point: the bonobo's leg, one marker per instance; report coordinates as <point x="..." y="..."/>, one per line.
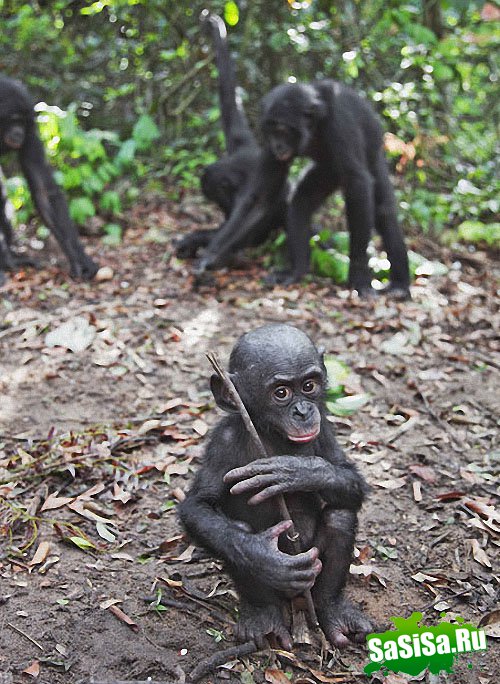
<point x="9" y="261"/>
<point x="310" y="193"/>
<point x="340" y="620"/>
<point x="51" y="203"/>
<point x="360" y="210"/>
<point x="261" y="614"/>
<point x="386" y="224"/>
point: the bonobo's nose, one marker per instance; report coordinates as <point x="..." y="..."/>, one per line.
<point x="302" y="410"/>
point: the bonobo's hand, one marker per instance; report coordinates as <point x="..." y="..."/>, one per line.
<point x="206" y="263"/>
<point x="83" y="267"/>
<point x="291" y="575"/>
<point x="278" y="475"/>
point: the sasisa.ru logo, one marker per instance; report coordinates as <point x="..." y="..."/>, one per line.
<point x="411" y="648"/>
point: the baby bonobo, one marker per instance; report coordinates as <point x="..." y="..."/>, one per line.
<point x="231" y="508"/>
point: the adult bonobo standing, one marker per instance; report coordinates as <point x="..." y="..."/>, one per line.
<point x="231" y="507"/>
<point x="338" y="130"/>
<point x="228" y="181"/>
<point x="18" y="133"/>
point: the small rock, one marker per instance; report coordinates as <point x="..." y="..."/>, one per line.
<point x="104" y="273"/>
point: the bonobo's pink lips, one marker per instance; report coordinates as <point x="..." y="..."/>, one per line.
<point x="304" y="438"/>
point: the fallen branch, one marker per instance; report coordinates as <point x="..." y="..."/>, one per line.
<point x="209" y="664"/>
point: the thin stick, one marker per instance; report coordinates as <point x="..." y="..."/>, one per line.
<point x="293" y="535"/>
<point x="26" y="636"/>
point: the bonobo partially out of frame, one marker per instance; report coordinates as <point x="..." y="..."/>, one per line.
<point x="339" y="131"/>
<point x="231" y="508"/>
<point x="229" y="180"/>
<point x="18" y="133"/>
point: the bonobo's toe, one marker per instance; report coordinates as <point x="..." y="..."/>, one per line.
<point x="344" y="623"/>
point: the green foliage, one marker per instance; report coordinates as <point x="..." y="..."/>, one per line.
<point x="140" y="68"/>
<point x="337" y="402"/>
<point x="477" y="232"/>
<point x="87" y="163"/>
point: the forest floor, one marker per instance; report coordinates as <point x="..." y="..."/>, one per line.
<point x="102" y="425"/>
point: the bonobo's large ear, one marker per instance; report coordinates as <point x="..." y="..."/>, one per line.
<point x="221" y="394"/>
<point x="318" y="109"/>
<point x="321" y="354"/>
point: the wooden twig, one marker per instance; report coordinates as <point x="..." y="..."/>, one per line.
<point x="293" y="535"/>
<point x="209" y="664"/>
<point x="26" y="636"/>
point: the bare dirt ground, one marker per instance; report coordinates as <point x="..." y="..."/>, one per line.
<point x="97" y="445"/>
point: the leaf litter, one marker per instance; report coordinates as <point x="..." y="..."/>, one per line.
<point x="100" y="435"/>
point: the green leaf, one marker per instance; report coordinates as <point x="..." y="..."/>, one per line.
<point x="81" y="209"/>
<point x="82" y="543"/>
<point x="231" y="13"/>
<point x="126" y="153"/>
<point x="145" y="132"/>
<point x="337" y="372"/>
<point x="113" y="235"/>
<point x="346" y="406"/>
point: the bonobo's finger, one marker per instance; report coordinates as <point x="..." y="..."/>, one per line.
<point x="259" y="467"/>
<point x="272" y="533"/>
<point x="266" y="493"/>
<point x="308" y="574"/>
<point x="304" y="559"/>
<point x="256" y="482"/>
<point x="284" y="638"/>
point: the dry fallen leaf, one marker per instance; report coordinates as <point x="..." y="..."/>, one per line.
<point x="53" y="501"/>
<point x="33" y="670"/>
<point x="200" y="427"/>
<point x="392" y="483"/>
<point x="275" y="676"/>
<point x="41" y="553"/>
<point x="491" y="624"/>
<point x="117" y="612"/>
<point x="478" y="553"/>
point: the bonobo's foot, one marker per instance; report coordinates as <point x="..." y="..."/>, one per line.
<point x="257" y="622"/>
<point x="342" y="623"/>
<point x="365" y="292"/>
<point x="12" y="261"/>
<point x="187" y="247"/>
<point x="398" y="291"/>
<point x="283" y="278"/>
<point x="84" y="268"/>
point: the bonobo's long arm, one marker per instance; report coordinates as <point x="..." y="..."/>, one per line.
<point x="327" y="472"/>
<point x="234" y="121"/>
<point x="263" y="189"/>
<point x="254" y="554"/>
<point x="51" y="204"/>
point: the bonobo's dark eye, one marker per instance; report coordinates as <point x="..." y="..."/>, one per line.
<point x="310" y="386"/>
<point x="282" y="394"/>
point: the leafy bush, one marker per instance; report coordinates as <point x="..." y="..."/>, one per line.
<point x="87" y="163"/>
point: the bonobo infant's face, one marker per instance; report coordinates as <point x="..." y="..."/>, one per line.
<point x="281" y="377"/>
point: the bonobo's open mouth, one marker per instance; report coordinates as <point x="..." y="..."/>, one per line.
<point x="284" y="156"/>
<point x="304" y="438"/>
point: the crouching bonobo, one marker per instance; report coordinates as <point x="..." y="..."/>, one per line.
<point x="231" y="508"/>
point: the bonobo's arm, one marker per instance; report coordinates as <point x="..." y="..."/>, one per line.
<point x="327" y="472"/>
<point x="234" y="121"/>
<point x="254" y="205"/>
<point x="51" y="203"/>
<point x="254" y="554"/>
